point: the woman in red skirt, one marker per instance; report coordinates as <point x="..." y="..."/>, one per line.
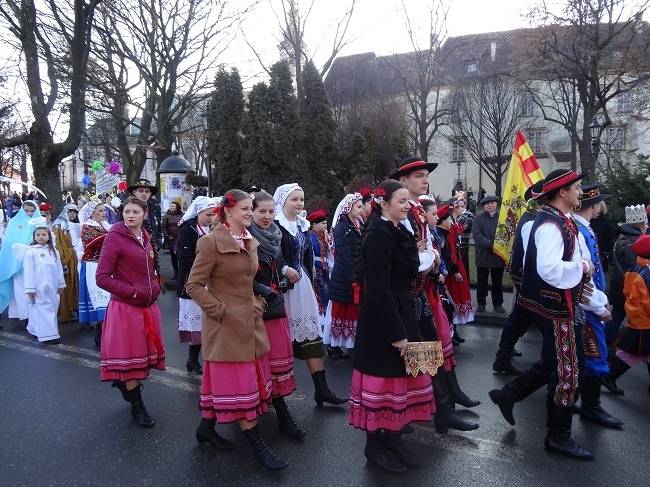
<point x="132" y="339"/>
<point x="269" y="283"/>
<point x="236" y="382"/>
<point x="383" y="398"/>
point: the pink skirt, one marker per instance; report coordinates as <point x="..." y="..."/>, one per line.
<point x="231" y="391"/>
<point x="132" y="342"/>
<point x="283" y="382"/>
<point x="344" y="321"/>
<point x="389" y="403"/>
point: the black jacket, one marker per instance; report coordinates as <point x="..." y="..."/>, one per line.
<point x="188" y="235"/>
<point x="483" y="230"/>
<point x="346" y="242"/>
<point x="390" y="265"/>
<point x="622" y="259"/>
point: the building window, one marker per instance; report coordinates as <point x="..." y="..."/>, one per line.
<point x="535" y="138"/>
<point x="616" y="136"/>
<point x="623" y="100"/>
<point x="526" y="104"/>
<point x="457" y="150"/>
<point x="471" y="67"/>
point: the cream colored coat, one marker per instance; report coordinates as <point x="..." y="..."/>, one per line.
<point x="232" y="325"/>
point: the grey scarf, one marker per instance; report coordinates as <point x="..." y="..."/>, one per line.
<point x="269" y="240"/>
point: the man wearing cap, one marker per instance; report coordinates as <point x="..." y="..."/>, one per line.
<point x="487" y="262"/>
<point x="554" y="282"/>
<point x="520" y="318"/>
<point x="414" y="174"/>
<point x="596" y="312"/>
<point x="144" y="190"/>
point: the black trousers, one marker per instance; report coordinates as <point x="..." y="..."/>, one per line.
<point x="482" y="274"/>
<point x="563" y="339"/>
<point x="517" y="325"/>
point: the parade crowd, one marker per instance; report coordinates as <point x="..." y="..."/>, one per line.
<point x="262" y="281"/>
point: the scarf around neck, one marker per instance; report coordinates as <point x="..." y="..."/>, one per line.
<point x="269" y="240"/>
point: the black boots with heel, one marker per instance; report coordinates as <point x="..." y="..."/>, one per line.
<point x="457" y="395"/>
<point x="261" y="451"/>
<point x="286" y="423"/>
<point x="322" y="391"/>
<point x="193" y="364"/>
<point x="206" y="433"/>
<point x="138" y="411"/>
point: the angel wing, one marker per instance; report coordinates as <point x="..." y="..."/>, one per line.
<point x="20" y="250"/>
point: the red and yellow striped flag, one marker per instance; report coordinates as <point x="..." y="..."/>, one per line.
<point x="523" y="173"/>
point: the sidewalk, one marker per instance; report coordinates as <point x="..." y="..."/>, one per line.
<point x="489" y="316"/>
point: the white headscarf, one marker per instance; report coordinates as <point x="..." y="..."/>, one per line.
<point x="280" y="196"/>
<point x="63" y="220"/>
<point x="87" y="210"/>
<point x="200" y="204"/>
<point x="343" y="208"/>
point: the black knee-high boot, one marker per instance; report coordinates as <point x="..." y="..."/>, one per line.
<point x="457" y="395"/>
<point x="446" y="417"/>
<point x="206" y="433"/>
<point x="616" y="369"/>
<point x="98" y="333"/>
<point x="261" y="451"/>
<point x="286" y="423"/>
<point x="591" y="409"/>
<point x="138" y="411"/>
<point x="193" y="364"/>
<point x="377" y="453"/>
<point x="558" y="439"/>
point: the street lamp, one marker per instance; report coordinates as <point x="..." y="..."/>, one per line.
<point x="204" y="116"/>
<point x="458" y="166"/>
<point x="594" y="130"/>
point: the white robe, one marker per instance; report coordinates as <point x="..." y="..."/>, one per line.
<point x="43" y="276"/>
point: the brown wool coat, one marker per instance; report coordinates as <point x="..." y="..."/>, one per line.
<point x="232" y="326"/>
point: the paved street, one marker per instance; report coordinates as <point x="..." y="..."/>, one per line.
<point x="60" y="426"/>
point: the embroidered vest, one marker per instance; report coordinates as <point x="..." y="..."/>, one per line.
<point x="516" y="266"/>
<point x="536" y="294"/>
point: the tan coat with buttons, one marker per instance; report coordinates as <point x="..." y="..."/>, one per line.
<point x="232" y="326"/>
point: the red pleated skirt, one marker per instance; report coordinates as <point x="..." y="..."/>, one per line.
<point x="389" y="403"/>
<point x="283" y="382"/>
<point x="132" y="342"/>
<point x="231" y="391"/>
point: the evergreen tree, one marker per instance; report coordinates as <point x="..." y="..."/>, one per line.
<point x="257" y="159"/>
<point x="321" y="156"/>
<point x="225" y="120"/>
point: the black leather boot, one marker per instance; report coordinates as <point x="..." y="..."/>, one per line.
<point x="337" y="352"/>
<point x="138" y="411"/>
<point x="457" y="395"/>
<point x="322" y="392"/>
<point x="394" y="444"/>
<point x="193" y="364"/>
<point x="456" y="336"/>
<point x="206" y="433"/>
<point x="446" y="417"/>
<point x="98" y="333"/>
<point x="377" y="453"/>
<point x="591" y="409"/>
<point x="503" y="363"/>
<point x="261" y="451"/>
<point x="616" y="369"/>
<point x="516" y="390"/>
<point x="121" y="386"/>
<point x="285" y="422"/>
<point x="558" y="439"/>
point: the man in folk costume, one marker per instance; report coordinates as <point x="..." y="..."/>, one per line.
<point x="414" y="174"/>
<point x="520" y="318"/>
<point x="555" y="280"/>
<point x="596" y="313"/>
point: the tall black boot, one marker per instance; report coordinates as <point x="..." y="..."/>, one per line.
<point x="456" y="336"/>
<point x="616" y="369"/>
<point x="322" y="392"/>
<point x="261" y="451"/>
<point x="98" y="333"/>
<point x="446" y="417"/>
<point x="285" y="422"/>
<point x="457" y="395"/>
<point x="138" y="411"/>
<point x="558" y="439"/>
<point x="516" y="390"/>
<point x="503" y="363"/>
<point x="377" y="453"/>
<point x="121" y="386"/>
<point x="193" y="364"/>
<point x="206" y="432"/>
<point x="591" y="409"/>
<point x="394" y="444"/>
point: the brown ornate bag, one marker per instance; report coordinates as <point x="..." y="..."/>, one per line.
<point x="423" y="357"/>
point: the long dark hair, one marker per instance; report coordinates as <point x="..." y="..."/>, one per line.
<point x="50" y="242"/>
<point x="388" y="186"/>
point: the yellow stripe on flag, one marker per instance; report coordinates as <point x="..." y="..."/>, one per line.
<point x="524" y="171"/>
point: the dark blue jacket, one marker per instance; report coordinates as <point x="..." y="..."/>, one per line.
<point x="346" y="243"/>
